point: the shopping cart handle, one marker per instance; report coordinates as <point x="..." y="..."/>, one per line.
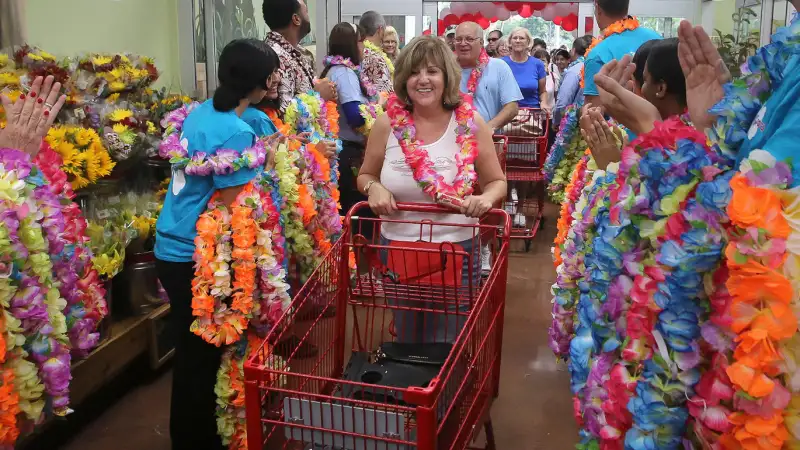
<point x="432" y="208"/>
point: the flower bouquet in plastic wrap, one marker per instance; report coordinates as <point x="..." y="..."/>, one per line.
<point x="38" y="63"/>
<point x="85" y="158"/>
<point x="110" y="231"/>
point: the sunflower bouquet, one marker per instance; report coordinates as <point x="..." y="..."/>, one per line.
<point x="10" y="82"/>
<point x="102" y="75"/>
<point x="86" y="159"/>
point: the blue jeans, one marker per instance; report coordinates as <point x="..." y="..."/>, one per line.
<point x="436" y="327"/>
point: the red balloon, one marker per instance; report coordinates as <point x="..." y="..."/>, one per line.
<point x="558" y="20"/>
<point x="441" y="27"/>
<point x="450" y="19"/>
<point x="569" y="26"/>
<point x="572" y="17"/>
<point x="467" y="18"/>
<point x="513" y="6"/>
<point x="483" y="22"/>
<point x="426" y="32"/>
<point x="526" y="11"/>
<point x="538" y="6"/>
<point x="493" y="19"/>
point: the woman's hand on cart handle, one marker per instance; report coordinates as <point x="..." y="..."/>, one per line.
<point x="381" y="201"/>
<point x="476" y="206"/>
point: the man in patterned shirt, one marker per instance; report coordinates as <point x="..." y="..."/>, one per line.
<point x="290" y="23"/>
<point x="376" y="64"/>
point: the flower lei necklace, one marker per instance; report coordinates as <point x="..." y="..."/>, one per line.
<point x="372" y="91"/>
<point x="762" y="74"/>
<point x="477" y="73"/>
<point x="234" y="255"/>
<point x="627" y="24"/>
<point x="431" y="182"/>
<point x="375" y="49"/>
<point x="224" y="161"/>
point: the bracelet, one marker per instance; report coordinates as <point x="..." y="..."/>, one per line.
<point x="367" y="186"/>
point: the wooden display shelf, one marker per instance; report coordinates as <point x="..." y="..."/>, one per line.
<point x="130" y="338"/>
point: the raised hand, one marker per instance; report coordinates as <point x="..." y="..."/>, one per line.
<point x="632" y="111"/>
<point x="31" y="116"/>
<point x="705" y="73"/>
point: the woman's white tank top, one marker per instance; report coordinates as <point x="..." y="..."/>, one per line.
<point x="398" y="178"/>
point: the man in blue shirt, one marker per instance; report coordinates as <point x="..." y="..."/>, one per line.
<point x="497" y="95"/>
<point x="570" y="91"/>
<point x="612" y="47"/>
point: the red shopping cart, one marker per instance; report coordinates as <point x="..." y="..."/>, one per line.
<point x="525" y="156"/>
<point x="373" y="387"/>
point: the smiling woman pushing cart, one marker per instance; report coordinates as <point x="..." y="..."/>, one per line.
<point x="367" y="388"/>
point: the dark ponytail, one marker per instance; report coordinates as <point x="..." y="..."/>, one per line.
<point x="244" y="65"/>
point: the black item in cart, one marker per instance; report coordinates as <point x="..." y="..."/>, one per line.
<point x="427" y="354"/>
<point x="384" y="374"/>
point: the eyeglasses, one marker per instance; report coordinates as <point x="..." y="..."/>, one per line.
<point x="468" y="40"/>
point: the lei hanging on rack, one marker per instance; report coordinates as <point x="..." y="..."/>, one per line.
<point x="80" y="284"/>
<point x="377" y="50"/>
<point x="430" y="181"/>
<point x="618" y="27"/>
<point x="35" y="330"/>
<point x="475" y="77"/>
<point x="175" y="148"/>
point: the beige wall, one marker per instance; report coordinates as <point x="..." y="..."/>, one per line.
<point x="146" y="27"/>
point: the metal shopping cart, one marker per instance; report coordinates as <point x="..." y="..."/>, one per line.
<point x="372" y="386"/>
<point x="525" y="156"/>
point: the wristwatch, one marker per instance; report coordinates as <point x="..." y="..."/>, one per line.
<point x="367" y="186"/>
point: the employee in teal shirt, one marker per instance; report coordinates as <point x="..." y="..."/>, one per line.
<point x="614" y="46"/>
<point x="213" y="127"/>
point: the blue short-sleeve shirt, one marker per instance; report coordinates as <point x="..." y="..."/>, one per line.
<point x="259" y="121"/>
<point x="776" y="126"/>
<point x="528" y="75"/>
<point x="613" y="47"/>
<point x="496" y="89"/>
<point x="348" y="87"/>
<point x="206" y="130"/>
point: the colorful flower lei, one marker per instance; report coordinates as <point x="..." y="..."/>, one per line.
<point x="231" y="423"/>
<point x="372" y="91"/>
<point x="762" y="74"/>
<point x="80" y="283"/>
<point x="477" y="73"/>
<point x="618" y="27"/>
<point x="229" y="264"/>
<point x="573" y="192"/>
<point x="763" y="302"/>
<point x="224" y="161"/>
<point x="568" y="148"/>
<point x="431" y="182"/>
<point x="34" y="225"/>
<point x="377" y="50"/>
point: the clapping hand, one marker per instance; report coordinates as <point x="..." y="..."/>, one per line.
<point x="600" y="137"/>
<point x="615" y="87"/>
<point x="31" y="116"/>
<point x="705" y="73"/>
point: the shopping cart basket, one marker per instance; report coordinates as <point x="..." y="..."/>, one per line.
<point x="366" y="389"/>
<point x="527" y="151"/>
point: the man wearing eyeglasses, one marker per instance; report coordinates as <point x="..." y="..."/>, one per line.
<point x="491" y="42"/>
<point x="497" y="94"/>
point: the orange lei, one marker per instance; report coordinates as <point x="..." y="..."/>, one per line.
<point x="215" y="327"/>
<point x="9" y="397"/>
<point x="620" y="26"/>
<point x="761" y="307"/>
<point x="565" y="218"/>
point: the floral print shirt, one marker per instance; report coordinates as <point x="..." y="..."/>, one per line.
<point x="297" y="74"/>
<point x="377" y="71"/>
